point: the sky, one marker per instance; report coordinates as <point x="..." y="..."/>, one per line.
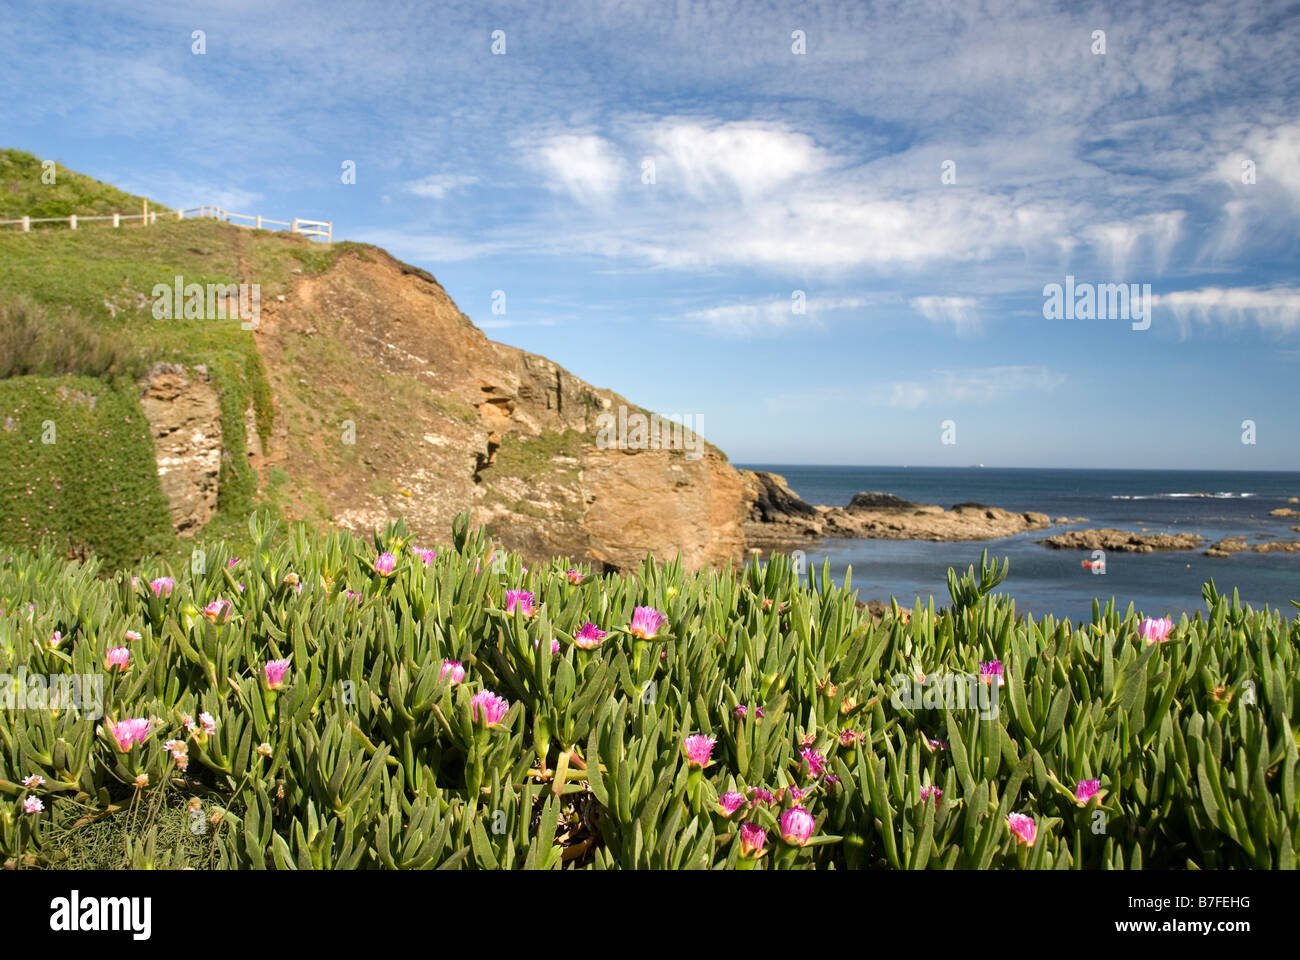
<point x="826" y="231"/>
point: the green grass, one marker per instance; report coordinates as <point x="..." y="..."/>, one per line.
<point x="25" y="191"/>
<point x="81" y="303"/>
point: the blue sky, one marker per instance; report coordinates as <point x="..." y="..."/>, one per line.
<point x="774" y="172"/>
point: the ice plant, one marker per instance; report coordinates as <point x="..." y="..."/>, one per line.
<point x="218" y="611"/>
<point x="35" y="780"/>
<point x="385" y="564"/>
<point x="928" y="792"/>
<point x="209" y="724"/>
<point x="488" y="707"/>
<point x="555" y="644"/>
<point x="180" y="752"/>
<point x="275" y="671"/>
<point x="128" y="733"/>
<point x="816" y="762"/>
<point x="33" y="805"/>
<point x="55" y="641"/>
<point x="1086" y="790"/>
<point x="990" y="670"/>
<point x="646" y="623"/>
<point x="264" y="749"/>
<point x="427" y="556"/>
<point x="163" y="586"/>
<point x="797" y="826"/>
<point x="1155" y="631"/>
<point x="752" y="840"/>
<point x="119" y="657"/>
<point x="731" y="802"/>
<point x="575" y="577"/>
<point x="589" y="636"/>
<point x="1023" y="827"/>
<point x="521" y="601"/>
<point x="454" y="668"/>
<point x="850" y="738"/>
<point x="762" y="796"/>
<point x="132" y="635"/>
<point x="698" y="748"/>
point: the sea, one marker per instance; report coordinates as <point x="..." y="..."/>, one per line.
<point x="1046" y="581"/>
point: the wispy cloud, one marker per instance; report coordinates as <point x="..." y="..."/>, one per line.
<point x="1276" y="309"/>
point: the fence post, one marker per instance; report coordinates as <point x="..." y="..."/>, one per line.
<point x="144" y="222"/>
<point x="153" y="217"/>
<point x="259" y="221"/>
<point x="72" y="221"/>
<point x="180" y="214"/>
<point x="27" y="224"/>
<point x="295" y="225"/>
<point x="117" y="220"/>
<point x="330" y="237"/>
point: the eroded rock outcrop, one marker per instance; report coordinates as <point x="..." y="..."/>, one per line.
<point x="1123" y="541"/>
<point x="777" y="516"/>
<point x="396" y="405"/>
<point x="184" y="414"/>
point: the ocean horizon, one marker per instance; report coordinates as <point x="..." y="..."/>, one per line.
<point x="1212" y="503"/>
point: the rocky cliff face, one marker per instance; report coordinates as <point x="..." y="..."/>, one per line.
<point x="184" y="415"/>
<point x="392" y="403"/>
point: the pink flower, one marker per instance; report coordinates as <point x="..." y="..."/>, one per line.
<point x="752" y="840"/>
<point x="936" y="745"/>
<point x="990" y="670"/>
<point x="55" y="641"/>
<point x="128" y="733"/>
<point x="354" y="596"/>
<point x="132" y="635"/>
<point x="454" y="668"/>
<point x="1086" y="790"/>
<point x="428" y="556"/>
<point x="209" y="724"/>
<point x="741" y="710"/>
<point x="589" y="636"/>
<point x="928" y="792"/>
<point x="275" y="671"/>
<point x="163" y="586"/>
<point x="646" y="622"/>
<point x="1155" y="631"/>
<point x="555" y="644"/>
<point x="522" y="601"/>
<point x="35" y="780"/>
<point x="575" y="577"/>
<point x="489" y="707"/>
<point x="180" y="752"/>
<point x="797" y="794"/>
<point x="385" y="564"/>
<point x="797" y="826"/>
<point x="190" y="725"/>
<point x="232" y="562"/>
<point x="119" y="657"/>
<point x="33" y="805"/>
<point x="850" y="738"/>
<point x="218" y="611"/>
<point x="730" y="802"/>
<point x="1023" y="827"/>
<point x="816" y="762"/>
<point x="762" y="796"/>
<point x="698" y="748"/>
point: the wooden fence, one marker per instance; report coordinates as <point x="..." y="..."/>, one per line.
<point x="308" y="228"/>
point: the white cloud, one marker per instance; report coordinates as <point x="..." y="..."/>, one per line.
<point x="704" y="158"/>
<point x="956" y="312"/>
<point x="978" y="385"/>
<point x="743" y="319"/>
<point x="585" y="166"/>
<point x="1274" y="309"/>
<point x="438" y="185"/>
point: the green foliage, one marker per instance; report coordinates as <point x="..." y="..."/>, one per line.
<point x="24" y="191"/>
<point x="372" y="755"/>
<point x="77" y="465"/>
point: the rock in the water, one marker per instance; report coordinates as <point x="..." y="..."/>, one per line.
<point x="1123" y="541"/>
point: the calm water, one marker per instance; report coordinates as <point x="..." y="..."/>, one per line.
<point x="1213" y="504"/>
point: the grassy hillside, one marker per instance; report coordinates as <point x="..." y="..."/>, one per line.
<point x="25" y="192"/>
<point x="80" y="303"/>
